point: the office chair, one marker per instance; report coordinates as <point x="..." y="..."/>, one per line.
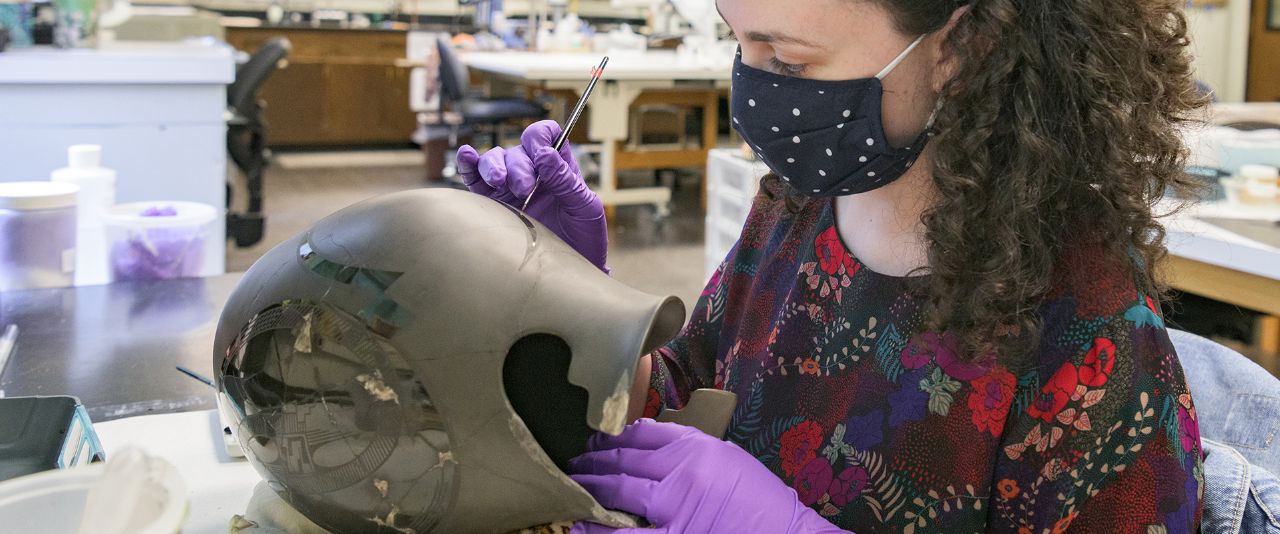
<point x="247" y="137"/>
<point x="1250" y="126"/>
<point x="477" y="110"/>
<point x="1206" y="91"/>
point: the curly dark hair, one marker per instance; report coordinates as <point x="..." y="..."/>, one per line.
<point x="1061" y="125"/>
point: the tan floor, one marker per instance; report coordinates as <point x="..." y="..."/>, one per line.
<point x="658" y="257"/>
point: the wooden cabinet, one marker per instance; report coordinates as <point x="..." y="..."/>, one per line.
<point x="341" y="87"/>
<point x="1264" y="52"/>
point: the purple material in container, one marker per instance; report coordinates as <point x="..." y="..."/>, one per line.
<point x="157" y="211"/>
<point x="158" y="254"/>
<point x="157" y="240"/>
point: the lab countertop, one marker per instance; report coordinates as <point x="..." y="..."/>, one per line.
<point x="193" y="62"/>
<point x="217" y="486"/>
<point x="1195" y="239"/>
<point x="116" y="346"/>
<point x="243" y="23"/>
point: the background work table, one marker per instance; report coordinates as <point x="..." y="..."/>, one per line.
<point x="1212" y="261"/>
<point x="115" y="346"/>
<point x="654" y="77"/>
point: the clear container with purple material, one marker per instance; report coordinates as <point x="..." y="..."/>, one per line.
<point x="157" y="240"/>
<point x="37" y="235"/>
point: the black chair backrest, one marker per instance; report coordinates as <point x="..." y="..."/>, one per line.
<point x="1250" y="126"/>
<point x="1206" y="90"/>
<point x="454" y="78"/>
<point x="251" y="75"/>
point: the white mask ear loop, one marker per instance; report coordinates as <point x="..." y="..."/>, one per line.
<point x="893" y="64"/>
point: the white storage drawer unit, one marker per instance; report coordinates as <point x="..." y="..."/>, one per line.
<point x="732" y="182"/>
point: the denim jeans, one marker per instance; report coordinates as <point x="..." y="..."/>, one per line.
<point x="1238" y="407"/>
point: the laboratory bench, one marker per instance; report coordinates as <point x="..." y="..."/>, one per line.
<point x="116" y="346"/>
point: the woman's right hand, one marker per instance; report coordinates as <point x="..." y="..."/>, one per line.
<point x="562" y="201"/>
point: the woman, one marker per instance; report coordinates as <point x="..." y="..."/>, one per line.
<point x="941" y="314"/>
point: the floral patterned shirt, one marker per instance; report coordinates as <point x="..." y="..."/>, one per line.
<point x="881" y="430"/>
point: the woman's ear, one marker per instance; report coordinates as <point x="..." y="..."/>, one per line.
<point x="946" y="67"/>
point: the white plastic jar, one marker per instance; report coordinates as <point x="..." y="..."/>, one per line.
<point x="157" y="240"/>
<point x="37" y="235"/>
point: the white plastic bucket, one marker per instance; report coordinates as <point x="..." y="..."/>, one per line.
<point x="157" y="240"/>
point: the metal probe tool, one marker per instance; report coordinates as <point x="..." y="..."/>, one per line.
<point x="596" y="73"/>
<point x="196" y="376"/>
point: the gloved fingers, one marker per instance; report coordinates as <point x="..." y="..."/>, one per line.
<point x="619" y="492"/>
<point x="566" y="184"/>
<point x="469" y="170"/>
<point x="631" y="462"/>
<point x="544" y="134"/>
<point x="591" y="237"/>
<point x="589" y="208"/>
<point x="493" y="170"/>
<point x="539" y="134"/>
<point x="645" y="434"/>
<point x="520" y="173"/>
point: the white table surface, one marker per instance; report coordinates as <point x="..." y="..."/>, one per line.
<point x="1227" y="112"/>
<point x="125" y="62"/>
<point x="218" y="487"/>
<point x="577" y="66"/>
<point x="1197" y="240"/>
<point x="1194" y="239"/>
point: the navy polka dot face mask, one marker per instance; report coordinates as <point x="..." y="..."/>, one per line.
<point x="825" y="138"/>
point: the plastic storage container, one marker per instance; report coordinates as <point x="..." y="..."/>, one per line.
<point x="37" y="235"/>
<point x="157" y="240"/>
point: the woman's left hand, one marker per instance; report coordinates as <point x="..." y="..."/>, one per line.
<point x="682" y="480"/>
<point x="564" y="203"/>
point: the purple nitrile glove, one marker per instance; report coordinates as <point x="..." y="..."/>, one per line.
<point x="683" y="480"/>
<point x="562" y="201"/>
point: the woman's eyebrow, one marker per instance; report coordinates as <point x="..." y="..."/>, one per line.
<point x="772" y="37"/>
